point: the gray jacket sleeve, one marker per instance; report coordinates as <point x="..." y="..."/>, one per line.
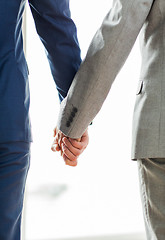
<point x="107" y="53"/>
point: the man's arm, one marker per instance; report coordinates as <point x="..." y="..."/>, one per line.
<point x="58" y="33"/>
<point x="107" y="53"/>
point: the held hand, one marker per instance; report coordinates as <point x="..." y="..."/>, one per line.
<point x="70" y="148"/>
<point x="58" y="135"/>
<point x="73" y="148"/>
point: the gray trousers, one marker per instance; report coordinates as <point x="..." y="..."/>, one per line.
<point x="152" y="186"/>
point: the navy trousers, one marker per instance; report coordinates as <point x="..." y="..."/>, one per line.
<point x="14" y="165"/>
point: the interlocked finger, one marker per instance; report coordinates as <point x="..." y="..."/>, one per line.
<point x="74" y="150"/>
<point x="68" y="153"/>
<point x="69" y="162"/>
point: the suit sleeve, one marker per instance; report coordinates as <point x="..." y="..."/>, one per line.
<point x="58" y="33"/>
<point x="106" y="55"/>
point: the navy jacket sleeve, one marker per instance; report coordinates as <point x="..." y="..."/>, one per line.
<point x="58" y="33"/>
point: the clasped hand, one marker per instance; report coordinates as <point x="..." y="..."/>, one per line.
<point x="70" y="148"/>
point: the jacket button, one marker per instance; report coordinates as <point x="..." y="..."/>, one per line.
<point x="71" y="119"/>
<point x="75" y="109"/>
<point x="72" y="114"/>
<point x="68" y="124"/>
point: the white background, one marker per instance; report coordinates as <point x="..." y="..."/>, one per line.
<point x="101" y="195"/>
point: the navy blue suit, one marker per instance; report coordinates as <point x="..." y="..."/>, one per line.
<point x="58" y="34"/>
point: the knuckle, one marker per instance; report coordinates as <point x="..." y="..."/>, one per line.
<point x="81" y="146"/>
<point x="74" y="164"/>
<point x="76" y="157"/>
<point x="78" y="153"/>
<point x="73" y="158"/>
<point x="65" y="157"/>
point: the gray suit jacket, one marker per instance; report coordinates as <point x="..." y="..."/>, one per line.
<point x="107" y="53"/>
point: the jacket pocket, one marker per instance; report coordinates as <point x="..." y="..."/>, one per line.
<point x="140" y="87"/>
